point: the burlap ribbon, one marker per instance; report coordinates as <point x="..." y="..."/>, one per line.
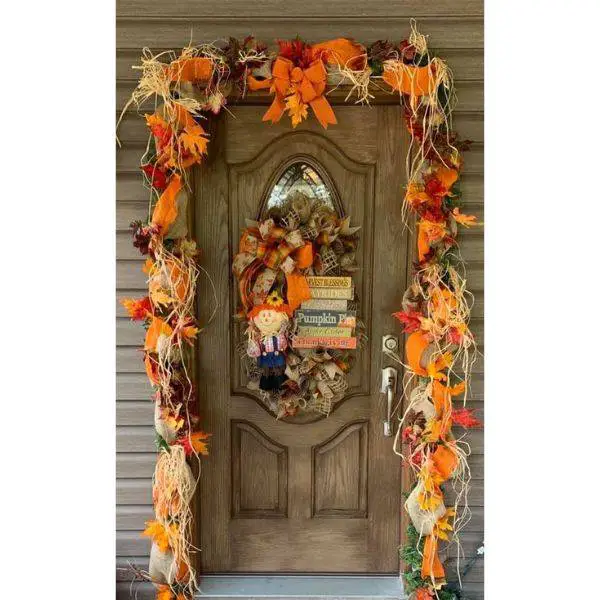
<point x="265" y="250"/>
<point x="310" y="83"/>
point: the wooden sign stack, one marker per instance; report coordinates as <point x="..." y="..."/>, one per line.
<point x="324" y="321"/>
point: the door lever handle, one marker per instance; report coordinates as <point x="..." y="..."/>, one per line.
<point x="389" y="378"/>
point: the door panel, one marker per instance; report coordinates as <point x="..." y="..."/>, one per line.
<point x="306" y="494"/>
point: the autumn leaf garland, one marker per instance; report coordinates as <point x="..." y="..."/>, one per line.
<point x="440" y="348"/>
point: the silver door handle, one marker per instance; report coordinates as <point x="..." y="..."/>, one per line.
<point x="389" y="378"/>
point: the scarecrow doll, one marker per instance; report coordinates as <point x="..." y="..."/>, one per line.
<point x="268" y="340"/>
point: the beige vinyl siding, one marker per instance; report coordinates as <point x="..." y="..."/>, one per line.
<point x="455" y="30"/>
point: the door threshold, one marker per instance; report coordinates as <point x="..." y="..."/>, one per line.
<point x="255" y="587"/>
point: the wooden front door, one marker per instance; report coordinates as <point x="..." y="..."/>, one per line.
<point x="303" y="495"/>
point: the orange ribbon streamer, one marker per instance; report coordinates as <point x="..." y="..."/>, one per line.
<point x="190" y="69"/>
<point x="310" y="83"/>
<point x="445" y="461"/>
<point x="416" y="343"/>
<point x="257" y="252"/>
<point x="165" y="211"/>
<point x="408" y="79"/>
<point x="432" y="566"/>
<point x="157" y="328"/>
<point x="342" y="52"/>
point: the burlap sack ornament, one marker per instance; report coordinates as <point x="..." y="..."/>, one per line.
<point x="178" y="229"/>
<point x="423" y="520"/>
<point x="162" y="428"/>
<point x="162" y="567"/>
<point x="420" y="402"/>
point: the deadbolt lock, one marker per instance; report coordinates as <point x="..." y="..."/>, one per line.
<point x="390" y="343"/>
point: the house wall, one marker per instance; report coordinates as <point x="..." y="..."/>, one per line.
<point x="455" y="29"/>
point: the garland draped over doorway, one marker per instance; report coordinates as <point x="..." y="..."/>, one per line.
<point x="439" y="351"/>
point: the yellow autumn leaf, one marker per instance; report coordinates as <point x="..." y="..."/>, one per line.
<point x="415" y="194"/>
<point x="158" y="295"/>
<point x="435" y="368"/>
<point x="158" y="534"/>
<point x="297" y="109"/>
<point x="148" y="267"/>
<point x="198" y="444"/>
<point x="433" y="431"/>
<point x="442" y="525"/>
<point x="155" y="120"/>
<point x="194" y="140"/>
<point x="189" y="333"/>
<point x="429" y="501"/>
<point x="172" y="419"/>
<point x="434" y="373"/>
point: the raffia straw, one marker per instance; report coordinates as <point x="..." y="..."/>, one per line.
<point x="170" y="349"/>
<point x="360" y="80"/>
<point x="174" y="488"/>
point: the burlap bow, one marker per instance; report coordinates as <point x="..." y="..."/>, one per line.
<point x="263" y="251"/>
<point x="310" y="83"/>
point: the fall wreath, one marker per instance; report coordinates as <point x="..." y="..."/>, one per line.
<point x="299" y="305"/>
<point x="439" y="350"/>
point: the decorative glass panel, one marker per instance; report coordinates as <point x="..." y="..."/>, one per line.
<point x="299" y="177"/>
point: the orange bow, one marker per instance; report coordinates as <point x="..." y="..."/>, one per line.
<point x="262" y="252"/>
<point x="309" y="83"/>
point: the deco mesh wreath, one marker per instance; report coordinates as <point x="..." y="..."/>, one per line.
<point x="302" y="238"/>
<point x="440" y="349"/>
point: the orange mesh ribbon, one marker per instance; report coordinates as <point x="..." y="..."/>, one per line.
<point x="157" y="328"/>
<point x="432" y="567"/>
<point x="310" y="83"/>
<point x="262" y="252"/>
<point x="165" y="211"/>
<point x="190" y="69"/>
<point x="342" y="52"/>
<point x="408" y="79"/>
<point x="445" y="461"/>
<point x="416" y="343"/>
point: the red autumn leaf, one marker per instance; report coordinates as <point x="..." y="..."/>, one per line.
<point x="435" y="188"/>
<point x="158" y="178"/>
<point x="408" y="434"/>
<point x="138" y="310"/>
<point x="410" y="319"/>
<point x="454" y="336"/>
<point x="416" y="459"/>
<point x="465" y="418"/>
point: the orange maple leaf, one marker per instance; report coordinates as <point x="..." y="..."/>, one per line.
<point x="189" y="333"/>
<point x="148" y="266"/>
<point x="163" y="592"/>
<point x="198" y="444"/>
<point x="194" y="140"/>
<point x="415" y="194"/>
<point x="160" y="536"/>
<point x="435" y="368"/>
<point x="155" y="120"/>
<point x="297" y="109"/>
<point x="465" y="220"/>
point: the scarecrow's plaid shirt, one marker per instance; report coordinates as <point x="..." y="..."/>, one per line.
<point x="271" y="344"/>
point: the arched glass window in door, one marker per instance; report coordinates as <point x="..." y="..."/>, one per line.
<point x="299" y="177"/>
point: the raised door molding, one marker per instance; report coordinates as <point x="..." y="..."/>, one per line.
<point x="353" y="187"/>
<point x="340" y="473"/>
<point x="259" y="473"/>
